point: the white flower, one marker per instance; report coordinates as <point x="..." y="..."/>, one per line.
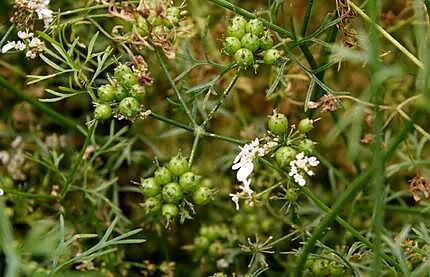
<point x="244" y="161"/>
<point x="222" y="263"/>
<point x="235" y="199"/>
<point x="302" y="164"/>
<point x="36" y="43"/>
<point x="8" y="46"/>
<point x="4" y="156"/>
<point x="244" y="164"/>
<point x="25" y="34"/>
<point x="31" y="54"/>
<point x="1" y="192"/>
<point x="45" y="14"/>
<point x="20" y="46"/>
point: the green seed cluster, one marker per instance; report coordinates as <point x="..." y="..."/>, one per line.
<point x="246" y="40"/>
<point x="155" y="23"/>
<point x="121" y="97"/>
<point x="254" y="220"/>
<point x="324" y="267"/>
<point x="172" y="187"/>
<point x="278" y="125"/>
<point x="212" y="240"/>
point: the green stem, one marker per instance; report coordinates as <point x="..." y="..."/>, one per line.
<point x="29" y="194"/>
<point x="8" y="244"/>
<point x="222" y="137"/>
<point x="171" y="121"/>
<point x="325" y="60"/>
<point x="378" y="164"/>
<point x="71" y="177"/>
<point x="175" y="89"/>
<point x="220" y="100"/>
<point x="191" y="129"/>
<point x="306" y="17"/>
<point x="197" y="136"/>
<point x="308" y="56"/>
<point x="413" y="210"/>
<point x="57" y="117"/>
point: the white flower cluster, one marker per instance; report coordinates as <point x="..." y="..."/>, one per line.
<point x="28" y="41"/>
<point x="244" y="164"/>
<point x="40" y="7"/>
<point x="301" y="164"/>
<point x="15" y="161"/>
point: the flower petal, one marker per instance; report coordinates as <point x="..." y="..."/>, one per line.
<point x="244" y="171"/>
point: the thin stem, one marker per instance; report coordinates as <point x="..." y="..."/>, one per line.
<point x="7" y="244"/>
<point x="197" y="136"/>
<point x="220" y="100"/>
<point x="331" y="38"/>
<point x="378" y="163"/>
<point x="222" y="137"/>
<point x="28" y="194"/>
<point x="191" y="129"/>
<point x="175" y="89"/>
<point x="171" y="121"/>
<point x="9" y="30"/>
<point x="306" y="17"/>
<point x="71" y="177"/>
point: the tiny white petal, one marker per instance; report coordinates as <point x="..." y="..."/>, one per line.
<point x="8" y="46"/>
<point x="35" y="42"/>
<point x="235" y="200"/>
<point x="20" y="46"/>
<point x="244" y="172"/>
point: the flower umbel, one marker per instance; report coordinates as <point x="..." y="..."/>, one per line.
<point x="301" y="164"/>
<point x="244" y="164"/>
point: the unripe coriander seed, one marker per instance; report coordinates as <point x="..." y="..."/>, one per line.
<point x="284" y="155"/>
<point x="202" y="195"/>
<point x="102" y="112"/>
<point x="178" y="165"/>
<point x="162" y="176"/>
<point x="172" y="193"/>
<point x="250" y="41"/>
<point x="150" y="187"/>
<point x="120" y="93"/>
<point x="106" y="93"/>
<point x="271" y="56"/>
<point x="305" y="125"/>
<point x="239" y="20"/>
<point x="236" y="30"/>
<point x="129" y="107"/>
<point x="255" y="26"/>
<point x="169" y="211"/>
<point x="266" y="41"/>
<point x="189" y="182"/>
<point x="244" y="57"/>
<point x="278" y="124"/>
<point x="152" y="205"/>
<point x="231" y="45"/>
